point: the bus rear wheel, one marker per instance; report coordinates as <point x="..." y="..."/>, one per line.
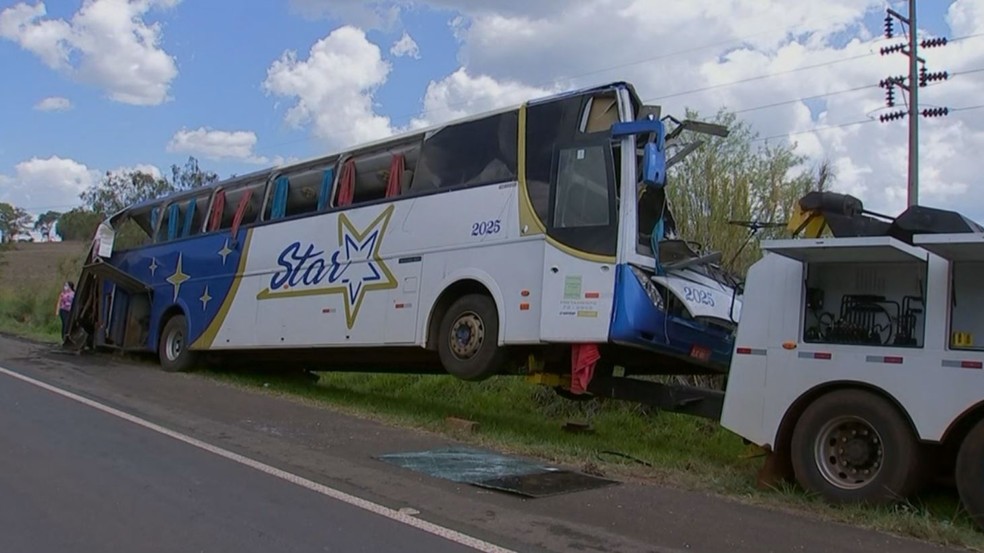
<point x="468" y="338"/>
<point x="173" y="347"/>
<point x="969" y="473"/>
<point x="852" y="446"/>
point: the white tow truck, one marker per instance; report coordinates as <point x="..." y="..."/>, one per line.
<point x="855" y="365"/>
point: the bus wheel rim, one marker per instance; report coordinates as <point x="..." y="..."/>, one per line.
<point x="467" y="335"/>
<point x="848" y="452"/>
<point x="174" y="344"/>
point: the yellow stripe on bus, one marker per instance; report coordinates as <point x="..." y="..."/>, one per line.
<point x="208" y="337"/>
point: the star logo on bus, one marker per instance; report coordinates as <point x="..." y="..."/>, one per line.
<point x="178" y="278"/>
<point x="352" y="270"/>
<point x="361" y="269"/>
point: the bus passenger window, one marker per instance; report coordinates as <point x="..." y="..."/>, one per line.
<point x="583" y="188"/>
<point x="234" y="196"/>
<point x="469" y="154"/>
<point x="295" y="194"/>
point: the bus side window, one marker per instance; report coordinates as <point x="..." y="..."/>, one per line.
<point x="377" y="175"/>
<point x="295" y="194"/>
<point x="469" y="154"/>
<point x="235" y="195"/>
<point x="182" y="218"/>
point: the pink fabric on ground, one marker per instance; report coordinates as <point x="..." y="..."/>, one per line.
<point x="584" y="357"/>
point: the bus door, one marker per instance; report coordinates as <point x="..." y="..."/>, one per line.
<point x="582" y="230"/>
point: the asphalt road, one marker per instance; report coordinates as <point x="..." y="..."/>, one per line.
<point x="73" y="478"/>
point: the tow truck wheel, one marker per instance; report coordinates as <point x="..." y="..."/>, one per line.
<point x="969" y="473"/>
<point x="173" y="347"/>
<point x="468" y="339"/>
<point x="852" y="446"/>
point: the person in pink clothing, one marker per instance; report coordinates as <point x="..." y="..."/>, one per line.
<point x="65" y="299"/>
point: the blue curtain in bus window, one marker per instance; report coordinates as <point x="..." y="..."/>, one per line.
<point x="189" y="218"/>
<point x="324" y="195"/>
<point x="280" y="198"/>
<point x="155" y="214"/>
<point x="173" y="214"/>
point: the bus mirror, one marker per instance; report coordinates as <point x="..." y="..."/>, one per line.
<point x="653" y="165"/>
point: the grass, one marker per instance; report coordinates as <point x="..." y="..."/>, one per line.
<point x="627" y="441"/>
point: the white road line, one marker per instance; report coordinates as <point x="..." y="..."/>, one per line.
<point x="431" y="528"/>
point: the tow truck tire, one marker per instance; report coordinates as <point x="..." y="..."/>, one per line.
<point x="173" y="346"/>
<point x="969" y="473"/>
<point x="468" y="339"/>
<point x="853" y="446"/>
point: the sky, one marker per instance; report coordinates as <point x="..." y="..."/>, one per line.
<point x="92" y="86"/>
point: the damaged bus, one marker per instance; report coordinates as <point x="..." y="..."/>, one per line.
<point x="534" y="235"/>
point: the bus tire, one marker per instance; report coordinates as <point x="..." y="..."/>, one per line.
<point x="969" y="473"/>
<point x="468" y="338"/>
<point x="173" y="346"/>
<point x="853" y="446"/>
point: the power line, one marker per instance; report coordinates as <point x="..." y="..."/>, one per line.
<point x="805" y="98"/>
<point x="817" y="129"/>
<point x="760" y="77"/>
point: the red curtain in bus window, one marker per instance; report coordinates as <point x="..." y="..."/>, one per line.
<point x="241" y="211"/>
<point x="346" y="190"/>
<point x="218" y="206"/>
<point x="395" y="176"/>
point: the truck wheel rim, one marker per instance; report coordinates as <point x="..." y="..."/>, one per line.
<point x="848" y="452"/>
<point x="174" y="345"/>
<point x="467" y="335"/>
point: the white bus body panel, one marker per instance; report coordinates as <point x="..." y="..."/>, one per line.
<point x="337" y="279"/>
<point x="930" y="383"/>
<point x="578" y="296"/>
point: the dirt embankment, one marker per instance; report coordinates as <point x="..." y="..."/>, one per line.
<point x="26" y="265"/>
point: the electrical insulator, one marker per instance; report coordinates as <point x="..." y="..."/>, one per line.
<point x="933" y="42"/>
<point x="892" y="49"/>
<point x="890" y="97"/>
<point x="888" y="26"/>
<point x="935" y="112"/>
<point x="922" y="76"/>
<point x="885" y="117"/>
<point x="937" y="76"/>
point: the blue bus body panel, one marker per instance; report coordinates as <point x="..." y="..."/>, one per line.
<point x="636" y="321"/>
<point x="207" y="263"/>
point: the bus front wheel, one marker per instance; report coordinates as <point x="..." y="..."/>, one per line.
<point x="173" y="347"/>
<point x="852" y="446"/>
<point x="468" y="339"/>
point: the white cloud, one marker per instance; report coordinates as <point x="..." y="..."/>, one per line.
<point x="461" y="94"/>
<point x="54" y="103"/>
<point x="107" y="43"/>
<point x="406" y="46"/>
<point x="40" y="184"/>
<point x="214" y="144"/>
<point x="333" y="88"/>
<point x="691" y="53"/>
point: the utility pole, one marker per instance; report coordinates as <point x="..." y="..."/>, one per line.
<point x="918" y="77"/>
<point x="913" y="196"/>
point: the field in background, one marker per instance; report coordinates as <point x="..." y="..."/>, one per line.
<point x="31" y="276"/>
<point x="627" y="440"/>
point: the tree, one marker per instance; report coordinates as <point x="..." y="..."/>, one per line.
<point x="738" y="179"/>
<point x="119" y="190"/>
<point x="45" y="223"/>
<point x="13" y="221"/>
<point x="78" y="224"/>
<point x="191" y="175"/>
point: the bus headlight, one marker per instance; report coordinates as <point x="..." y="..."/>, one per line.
<point x="650" y="287"/>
